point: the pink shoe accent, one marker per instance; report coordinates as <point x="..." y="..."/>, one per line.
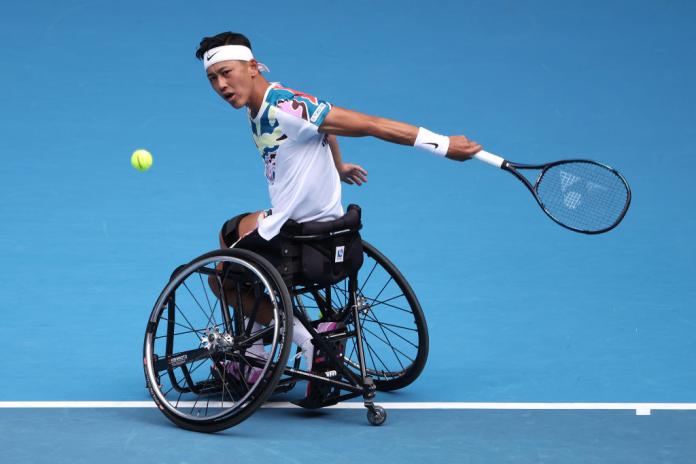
<point x="326" y="326"/>
<point x="232" y="368"/>
<point x="321" y="328"/>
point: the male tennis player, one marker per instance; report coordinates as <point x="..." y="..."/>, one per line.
<point x="295" y="134"/>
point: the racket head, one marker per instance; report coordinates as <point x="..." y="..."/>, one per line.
<point x="583" y="195"/>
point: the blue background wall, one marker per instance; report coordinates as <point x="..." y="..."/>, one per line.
<point x="519" y="309"/>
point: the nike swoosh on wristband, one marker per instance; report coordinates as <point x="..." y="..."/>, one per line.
<point x="431" y="143"/>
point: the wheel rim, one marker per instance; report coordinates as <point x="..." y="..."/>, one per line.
<point x="198" y="318"/>
<point x="391" y="338"/>
<point x="390" y="334"/>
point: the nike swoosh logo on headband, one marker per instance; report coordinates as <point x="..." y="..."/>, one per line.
<point x="210" y="57"/>
<point x="431" y="143"/>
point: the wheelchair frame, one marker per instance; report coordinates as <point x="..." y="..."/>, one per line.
<point x="358" y="385"/>
<point x="343" y="378"/>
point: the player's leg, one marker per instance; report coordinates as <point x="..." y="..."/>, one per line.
<point x="231" y="231"/>
<point x="244" y="225"/>
<point x="248" y="224"/>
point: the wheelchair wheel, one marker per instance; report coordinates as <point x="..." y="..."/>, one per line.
<point x="206" y="367"/>
<point x="394" y="331"/>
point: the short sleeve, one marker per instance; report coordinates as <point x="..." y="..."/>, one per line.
<point x="307" y="111"/>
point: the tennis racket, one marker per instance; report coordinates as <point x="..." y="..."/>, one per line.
<point x="581" y="195"/>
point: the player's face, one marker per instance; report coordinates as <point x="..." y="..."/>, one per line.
<point x="233" y="81"/>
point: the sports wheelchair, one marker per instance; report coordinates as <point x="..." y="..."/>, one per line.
<point x="201" y="369"/>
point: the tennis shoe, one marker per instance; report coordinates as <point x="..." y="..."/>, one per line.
<point x="307" y="348"/>
<point x="320" y="394"/>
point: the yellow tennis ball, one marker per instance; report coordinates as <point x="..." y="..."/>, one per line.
<point x="141" y="160"/>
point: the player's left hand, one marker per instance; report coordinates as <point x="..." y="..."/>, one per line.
<point x="352" y="174"/>
<point x="461" y="148"/>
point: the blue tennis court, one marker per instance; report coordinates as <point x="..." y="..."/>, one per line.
<point x="545" y="345"/>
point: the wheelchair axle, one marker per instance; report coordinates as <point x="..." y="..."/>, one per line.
<point x="216" y="341"/>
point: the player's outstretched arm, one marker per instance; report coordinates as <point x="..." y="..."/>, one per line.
<point x="349" y="173"/>
<point x="341" y="121"/>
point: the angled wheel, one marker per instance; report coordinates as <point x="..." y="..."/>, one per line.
<point x="207" y="365"/>
<point x="394" y="331"/>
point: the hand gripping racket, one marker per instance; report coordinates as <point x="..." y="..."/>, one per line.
<point x="581" y="195"/>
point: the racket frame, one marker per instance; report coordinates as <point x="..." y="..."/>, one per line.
<point x="514" y="168"/>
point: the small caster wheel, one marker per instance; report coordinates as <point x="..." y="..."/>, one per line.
<point x="376" y="415"/>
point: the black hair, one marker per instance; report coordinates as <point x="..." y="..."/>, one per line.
<point x="218" y="40"/>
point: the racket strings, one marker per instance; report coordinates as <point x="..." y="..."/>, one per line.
<point x="583" y="195"/>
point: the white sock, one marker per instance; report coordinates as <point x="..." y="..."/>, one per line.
<point x="303" y="339"/>
<point x="256" y="349"/>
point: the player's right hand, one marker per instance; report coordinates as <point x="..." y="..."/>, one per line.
<point x="352" y="174"/>
<point x="461" y="148"/>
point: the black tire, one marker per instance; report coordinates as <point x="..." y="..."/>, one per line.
<point x="395" y="334"/>
<point x="376" y="415"/>
<point x="189" y="360"/>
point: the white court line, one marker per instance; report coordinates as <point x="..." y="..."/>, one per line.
<point x="640" y="408"/>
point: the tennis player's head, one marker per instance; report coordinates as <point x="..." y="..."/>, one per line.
<point x="231" y="67"/>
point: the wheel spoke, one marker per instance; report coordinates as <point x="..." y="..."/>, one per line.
<point x="198" y="332"/>
<point x="375" y="302"/>
<point x="205" y="291"/>
<point x="209" y="317"/>
<point x="385" y="286"/>
<point x="376" y="321"/>
<point x="180" y="325"/>
<point x="181" y="333"/>
<point x="383" y="326"/>
<point x="368" y="276"/>
<point x="372" y="351"/>
<point x="388" y="344"/>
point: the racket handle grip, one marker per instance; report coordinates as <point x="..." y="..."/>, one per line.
<point x="490" y="158"/>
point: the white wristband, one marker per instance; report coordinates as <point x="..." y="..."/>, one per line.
<point x="434" y="143"/>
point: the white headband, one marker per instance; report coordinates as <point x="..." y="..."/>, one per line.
<point x="227" y="53"/>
